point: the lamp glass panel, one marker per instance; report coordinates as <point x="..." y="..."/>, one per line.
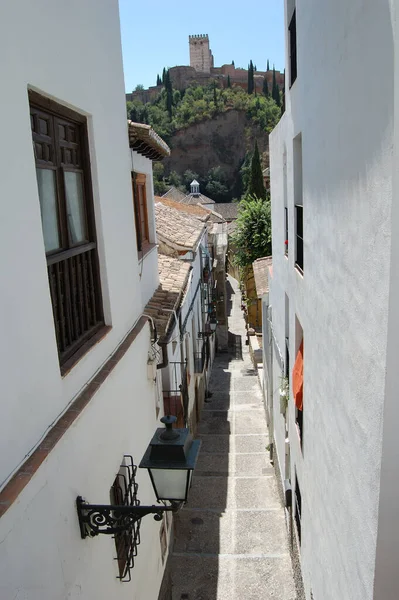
<point x="170" y="484"/>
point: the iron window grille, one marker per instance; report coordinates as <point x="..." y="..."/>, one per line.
<point x="299" y="236"/>
<point x="124" y="493"/>
<point x="200" y="357"/>
<point x="293" y="53"/>
<point x="298" y="509"/>
<point x="176" y="399"/>
<point x="60" y="143"/>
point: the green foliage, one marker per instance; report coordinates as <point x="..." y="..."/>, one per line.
<point x="228" y="81"/>
<point x="252" y="237"/>
<point x="188" y="177"/>
<point x="174" y="179"/>
<point x="256" y="186"/>
<point x="251" y="82"/>
<point x="159" y="80"/>
<point x="216" y="185"/>
<point x="265" y="88"/>
<point x="139" y="87"/>
<point x="232" y="62"/>
<point x="267" y="66"/>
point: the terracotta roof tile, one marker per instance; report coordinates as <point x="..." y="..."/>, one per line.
<point x="174" y="194"/>
<point x="173" y="277"/>
<point x="228" y="210"/>
<point x="146" y="141"/>
<point x="176" y="227"/>
<point x="261" y="274"/>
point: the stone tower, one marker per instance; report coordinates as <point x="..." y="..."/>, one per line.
<point x="200" y="54"/>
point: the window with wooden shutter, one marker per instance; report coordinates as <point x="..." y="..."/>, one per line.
<point x="140" y="210"/>
<point x="64" y="184"/>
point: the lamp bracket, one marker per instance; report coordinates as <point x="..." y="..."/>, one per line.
<point x="111" y="519"/>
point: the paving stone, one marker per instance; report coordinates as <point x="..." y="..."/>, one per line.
<point x="215" y="443"/>
<point x="245" y="384"/>
<point x="252" y="464"/>
<point x="212" y="422"/>
<point x="250" y="421"/>
<point x="255" y="493"/>
<point x="216" y="463"/>
<point x="251" y="443"/>
<point x="211" y="492"/>
<point x="243" y="398"/>
<point x="218" y="402"/>
<point x="204" y="532"/>
<point x="260" y="532"/>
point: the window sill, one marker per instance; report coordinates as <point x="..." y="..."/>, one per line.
<point x="84" y="349"/>
<point x="146" y="249"/>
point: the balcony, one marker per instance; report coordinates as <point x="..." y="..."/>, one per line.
<point x="175" y="400"/>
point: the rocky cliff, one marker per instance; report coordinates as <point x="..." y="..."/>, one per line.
<point x="223" y="141"/>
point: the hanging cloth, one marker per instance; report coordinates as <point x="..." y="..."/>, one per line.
<point x="297" y="379"/>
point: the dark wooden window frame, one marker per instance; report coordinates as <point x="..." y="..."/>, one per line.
<point x="141" y="212"/>
<point x="293" y="48"/>
<point x="73" y="269"/>
<point x="299" y="237"/>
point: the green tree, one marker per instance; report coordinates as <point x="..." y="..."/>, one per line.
<point x="252" y="237"/>
<point x="160" y="186"/>
<point x="163" y="75"/>
<point x="232" y="62"/>
<point x="228" y="81"/>
<point x="169" y="93"/>
<point x="277" y="97"/>
<point x="256" y="186"/>
<point x="265" y="88"/>
<point x="139" y="87"/>
<point x="215" y="99"/>
<point x="267" y="66"/>
<point x="174" y="179"/>
<point x="159" y="80"/>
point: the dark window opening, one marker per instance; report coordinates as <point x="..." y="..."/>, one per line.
<point x="299" y="236"/>
<point x="60" y="145"/>
<point x="298" y="508"/>
<point x="293" y="57"/>
<point x="286" y="229"/>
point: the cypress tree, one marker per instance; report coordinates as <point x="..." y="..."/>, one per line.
<point x="265" y="88"/>
<point x="256" y="186"/>
<point x="277" y="98"/>
<point x="232" y="62"/>
<point x="163" y="75"/>
<point x="228" y="81"/>
<point x="251" y="84"/>
<point x="215" y="100"/>
<point x="274" y="85"/>
<point x="267" y="67"/>
<point x="159" y="80"/>
<point x="169" y="93"/>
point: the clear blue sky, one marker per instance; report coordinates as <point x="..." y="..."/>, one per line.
<point x="155" y="34"/>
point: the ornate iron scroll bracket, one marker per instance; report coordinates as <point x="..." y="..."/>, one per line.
<point x="109" y="519"/>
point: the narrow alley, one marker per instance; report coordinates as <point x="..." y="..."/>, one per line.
<point x="230" y="539"/>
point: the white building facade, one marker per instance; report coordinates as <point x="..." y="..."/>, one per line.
<point x="333" y="289"/>
<point x="77" y="401"/>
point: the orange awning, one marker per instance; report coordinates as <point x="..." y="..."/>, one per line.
<point x="297" y="379"/>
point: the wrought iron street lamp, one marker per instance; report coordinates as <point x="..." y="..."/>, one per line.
<point x="170" y="459"/>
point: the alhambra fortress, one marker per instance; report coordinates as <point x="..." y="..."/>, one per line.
<point x="202" y="71"/>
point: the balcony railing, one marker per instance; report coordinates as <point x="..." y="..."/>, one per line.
<point x="76" y="302"/>
<point x="176" y="399"/>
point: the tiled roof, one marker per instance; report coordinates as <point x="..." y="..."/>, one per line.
<point x="261" y="274"/>
<point x="228" y="210"/>
<point x="192" y="209"/>
<point x="198" y="211"/>
<point x="173" y="277"/>
<point x="177" y="228"/>
<point x="144" y="140"/>
<point x="174" y="194"/>
<point x="197" y="199"/>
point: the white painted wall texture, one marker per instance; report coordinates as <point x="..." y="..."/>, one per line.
<point x="70" y="52"/>
<point x="341" y="301"/>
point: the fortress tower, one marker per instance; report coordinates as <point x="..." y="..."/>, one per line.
<point x="200" y="54"/>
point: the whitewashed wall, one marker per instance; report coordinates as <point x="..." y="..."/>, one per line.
<point x="342" y="299"/>
<point x="70" y="52"/>
<point x="42" y="556"/>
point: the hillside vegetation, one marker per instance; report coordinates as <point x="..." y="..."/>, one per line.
<point x="211" y="132"/>
<point x="175" y="110"/>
